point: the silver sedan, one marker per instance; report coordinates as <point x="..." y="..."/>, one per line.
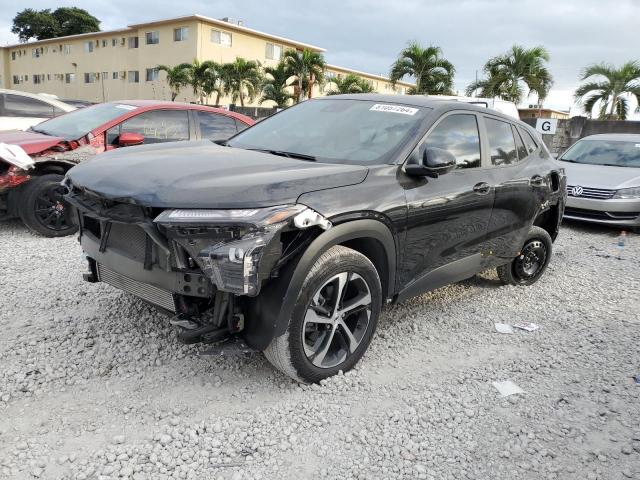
<point x="603" y="180"/>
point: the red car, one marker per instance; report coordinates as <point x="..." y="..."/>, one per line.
<point x="33" y="163"/>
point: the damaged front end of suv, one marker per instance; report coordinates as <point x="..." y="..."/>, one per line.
<point x="203" y="266"/>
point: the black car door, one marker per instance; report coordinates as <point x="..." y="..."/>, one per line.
<point x="448" y="216"/>
<point x="517" y="182"/>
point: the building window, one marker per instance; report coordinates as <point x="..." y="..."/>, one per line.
<point x="105" y="76"/>
<point x="13" y="55"/>
<point x="88" y="47"/>
<point x="69" y="77"/>
<point x="67" y="49"/>
<point x="114" y="42"/>
<point x="152" y="74"/>
<point x="16" y="80"/>
<point x="180" y="34"/>
<point x="221" y="38"/>
<point x="133" y="76"/>
<point x="133" y="42"/>
<point x="89" y="78"/>
<point x="114" y="75"/>
<point x="274" y="52"/>
<point x="104" y="43"/>
<point x="38" y="79"/>
<point x="152" y="38"/>
<point x="35" y="52"/>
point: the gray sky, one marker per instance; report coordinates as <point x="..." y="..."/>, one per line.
<point x="367" y="35"/>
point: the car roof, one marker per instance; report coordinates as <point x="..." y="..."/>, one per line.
<point x="166" y="104"/>
<point x="615" y="137"/>
<point x="434" y="102"/>
<point x="50" y="99"/>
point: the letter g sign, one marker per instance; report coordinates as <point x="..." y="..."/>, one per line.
<point x="547" y="125"/>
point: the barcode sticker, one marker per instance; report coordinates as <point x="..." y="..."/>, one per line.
<point x="379" y="107"/>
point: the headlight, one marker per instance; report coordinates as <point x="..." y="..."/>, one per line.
<point x="236" y="249"/>
<point x="627" y="193"/>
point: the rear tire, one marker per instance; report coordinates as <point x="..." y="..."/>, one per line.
<point x="532" y="261"/>
<point x="43" y="210"/>
<point x="334" y="319"/>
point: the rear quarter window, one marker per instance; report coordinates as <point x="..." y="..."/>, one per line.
<point x="528" y="139"/>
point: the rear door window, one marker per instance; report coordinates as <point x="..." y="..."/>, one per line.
<point x="458" y="134"/>
<point x="214" y="126"/>
<point x="156" y="126"/>
<point x="502" y="146"/>
<point x="19" y="106"/>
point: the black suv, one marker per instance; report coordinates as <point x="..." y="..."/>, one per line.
<point x="294" y="233"/>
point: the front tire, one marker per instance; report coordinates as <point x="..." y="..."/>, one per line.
<point x="532" y="261"/>
<point x="43" y="209"/>
<point x="334" y="319"/>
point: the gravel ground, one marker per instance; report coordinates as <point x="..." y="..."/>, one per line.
<point x="93" y="383"/>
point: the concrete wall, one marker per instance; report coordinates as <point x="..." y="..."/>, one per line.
<point x="571" y="130"/>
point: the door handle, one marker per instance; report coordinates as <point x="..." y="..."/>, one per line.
<point x="536" y="181"/>
<point x="482" y="188"/>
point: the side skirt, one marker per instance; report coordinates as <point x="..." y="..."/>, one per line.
<point x="450" y="273"/>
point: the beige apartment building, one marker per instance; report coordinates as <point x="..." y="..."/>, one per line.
<point x="121" y="64"/>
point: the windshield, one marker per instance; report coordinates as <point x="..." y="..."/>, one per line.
<point x="604" y="152"/>
<point x="336" y="131"/>
<point x="78" y="123"/>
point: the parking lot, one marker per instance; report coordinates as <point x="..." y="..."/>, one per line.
<point x="94" y="384"/>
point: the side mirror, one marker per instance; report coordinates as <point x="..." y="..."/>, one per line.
<point x="129" y="139"/>
<point x="430" y="162"/>
<point x="555" y="155"/>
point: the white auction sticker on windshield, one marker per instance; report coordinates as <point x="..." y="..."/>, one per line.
<point x="380" y="107"/>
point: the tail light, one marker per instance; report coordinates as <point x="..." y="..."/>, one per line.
<point x="13" y="177"/>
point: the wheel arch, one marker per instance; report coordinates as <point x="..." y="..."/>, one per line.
<point x="53" y="166"/>
<point x="550" y="220"/>
<point x="270" y="311"/>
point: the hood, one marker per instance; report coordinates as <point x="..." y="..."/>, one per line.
<point x="205" y="175"/>
<point x="31" y="142"/>
<point x="601" y="176"/>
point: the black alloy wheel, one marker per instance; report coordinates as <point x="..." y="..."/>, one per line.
<point x="44" y="209"/>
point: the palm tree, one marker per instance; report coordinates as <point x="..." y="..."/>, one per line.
<point x="510" y="73"/>
<point x="243" y="79"/>
<point x="433" y="73"/>
<point x="308" y="68"/>
<point x="611" y="88"/>
<point x="351" y="83"/>
<point x="177" y="77"/>
<point x="275" y="85"/>
<point x="202" y="77"/>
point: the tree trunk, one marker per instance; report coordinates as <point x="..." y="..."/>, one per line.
<point x="300" y="92"/>
<point x="174" y="94"/>
<point x="217" y="98"/>
<point x="312" y="80"/>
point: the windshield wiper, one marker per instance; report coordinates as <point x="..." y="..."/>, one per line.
<point x="281" y="153"/>
<point x="568" y="160"/>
